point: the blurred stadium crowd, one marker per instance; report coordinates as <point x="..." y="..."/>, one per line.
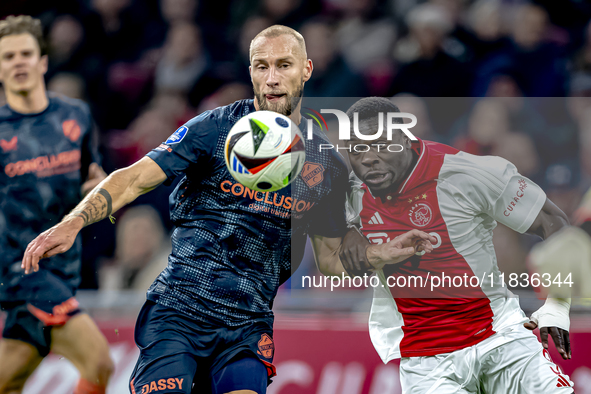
<point x="147" y="66"/>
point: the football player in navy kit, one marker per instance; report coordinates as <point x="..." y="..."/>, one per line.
<point x="47" y="161"/>
<point x="207" y="324"/>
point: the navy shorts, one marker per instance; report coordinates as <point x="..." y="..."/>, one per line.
<point x="50" y="302"/>
<point x="181" y="355"/>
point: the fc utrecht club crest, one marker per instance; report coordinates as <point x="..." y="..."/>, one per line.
<point x="420" y="214"/>
<point x="312" y="174"/>
<point x="266" y="346"/>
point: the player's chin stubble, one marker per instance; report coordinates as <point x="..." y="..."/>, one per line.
<point x="286" y="107"/>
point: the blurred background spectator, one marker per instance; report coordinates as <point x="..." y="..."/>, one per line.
<point x="147" y="66"/>
<point x="141" y="251"/>
<point x="68" y="84"/>
<point x="330" y="69"/>
<point x="426" y="68"/>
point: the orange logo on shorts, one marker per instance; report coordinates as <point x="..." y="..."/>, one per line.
<point x="60" y="315"/>
<point x="162" y="384"/>
<point x="71" y="129"/>
<point x="266" y="346"/>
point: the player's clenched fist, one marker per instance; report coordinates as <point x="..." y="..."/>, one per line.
<point x="400" y="248"/>
<point x="57" y="239"/>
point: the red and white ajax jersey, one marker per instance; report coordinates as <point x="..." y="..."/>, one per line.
<point x="457" y="198"/>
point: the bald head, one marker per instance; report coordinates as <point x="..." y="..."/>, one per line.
<point x="277" y="31"/>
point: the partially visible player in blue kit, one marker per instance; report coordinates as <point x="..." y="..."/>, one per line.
<point x="47" y="161"/>
<point x="207" y="326"/>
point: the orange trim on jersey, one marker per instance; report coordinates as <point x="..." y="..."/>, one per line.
<point x="131" y="385"/>
<point x="271" y="370"/>
<point x="86" y="387"/>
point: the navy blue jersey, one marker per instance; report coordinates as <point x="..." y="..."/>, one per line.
<point x="232" y="246"/>
<point x="44" y="159"/>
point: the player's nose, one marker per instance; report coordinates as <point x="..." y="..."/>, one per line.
<point x="20" y="62"/>
<point x="272" y="77"/>
<point x="369" y="158"/>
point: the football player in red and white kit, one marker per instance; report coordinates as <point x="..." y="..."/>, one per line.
<point x="467" y="333"/>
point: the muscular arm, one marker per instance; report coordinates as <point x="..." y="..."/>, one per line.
<point x="117" y="190"/>
<point x="549" y="220"/>
<point x="326" y="254"/>
<point x="327" y="251"/>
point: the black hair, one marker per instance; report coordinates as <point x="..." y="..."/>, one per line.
<point x="369" y="107"/>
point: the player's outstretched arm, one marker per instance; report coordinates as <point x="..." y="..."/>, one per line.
<point x="117" y="190"/>
<point x="327" y="251"/>
<point x="553" y="317"/>
<point x="353" y="253"/>
<point x="400" y="248"/>
<point x="550" y="220"/>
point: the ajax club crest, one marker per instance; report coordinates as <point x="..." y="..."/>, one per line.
<point x="420" y="214"/>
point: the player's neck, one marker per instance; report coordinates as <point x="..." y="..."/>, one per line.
<point x="296" y="116"/>
<point x="31" y="102"/>
<point x="414" y="158"/>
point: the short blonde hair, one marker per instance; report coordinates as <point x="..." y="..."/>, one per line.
<point x="23" y="24"/>
<point x="276" y="31"/>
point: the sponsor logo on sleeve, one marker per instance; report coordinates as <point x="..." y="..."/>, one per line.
<point x="71" y="129"/>
<point x="164" y="147"/>
<point x="177" y="136"/>
<point x="515" y="200"/>
<point x="7" y="146"/>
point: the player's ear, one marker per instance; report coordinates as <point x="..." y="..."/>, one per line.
<point x="407" y="142"/>
<point x="308" y="67"/>
<point x="250" y="71"/>
<point x="44" y="63"/>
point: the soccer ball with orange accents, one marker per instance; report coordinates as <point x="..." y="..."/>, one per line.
<point x="265" y="151"/>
